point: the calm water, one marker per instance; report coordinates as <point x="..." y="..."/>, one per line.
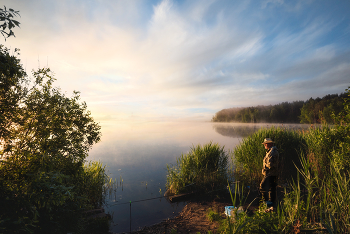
<point x="136" y="155"/>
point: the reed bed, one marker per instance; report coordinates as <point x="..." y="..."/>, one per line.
<point x="97" y="184"/>
<point x="202" y="168"/>
<point x="317" y="198"/>
<point x="317" y="189"/>
<point x="248" y="156"/>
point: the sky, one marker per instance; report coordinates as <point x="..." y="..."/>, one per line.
<point x="172" y="60"/>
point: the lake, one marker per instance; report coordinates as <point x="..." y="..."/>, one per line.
<point x="136" y="154"/>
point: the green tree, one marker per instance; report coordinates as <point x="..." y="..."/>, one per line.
<point x="49" y="122"/>
<point x="307" y="112"/>
<point x="8" y="23"/>
<point x="12" y="89"/>
<point x="45" y="137"/>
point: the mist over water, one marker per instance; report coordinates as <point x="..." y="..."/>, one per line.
<point x="136" y="154"/>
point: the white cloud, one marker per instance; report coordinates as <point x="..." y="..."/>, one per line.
<point x="131" y="56"/>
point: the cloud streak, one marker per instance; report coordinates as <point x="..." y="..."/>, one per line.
<point x="174" y="58"/>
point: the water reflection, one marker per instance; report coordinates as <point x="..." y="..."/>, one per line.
<point x="136" y="155"/>
<point x="239" y="130"/>
<point x="236" y="131"/>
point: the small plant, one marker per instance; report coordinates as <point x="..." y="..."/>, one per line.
<point x="213" y="216"/>
<point x="173" y="231"/>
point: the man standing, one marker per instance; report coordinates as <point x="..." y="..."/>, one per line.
<point x="270" y="171"/>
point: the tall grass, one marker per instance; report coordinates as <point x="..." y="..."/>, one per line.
<point x="96" y="183"/>
<point x="202" y="168"/>
<point x="318" y="198"/>
<point x="248" y="156"/>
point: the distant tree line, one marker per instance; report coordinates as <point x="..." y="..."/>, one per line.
<point x="319" y="110"/>
<point x="322" y="110"/>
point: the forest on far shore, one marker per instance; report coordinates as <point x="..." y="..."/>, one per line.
<point x="318" y="110"/>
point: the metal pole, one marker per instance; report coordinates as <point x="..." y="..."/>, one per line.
<point x="130" y="216"/>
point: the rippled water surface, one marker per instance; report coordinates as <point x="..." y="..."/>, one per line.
<point x="136" y="155"/>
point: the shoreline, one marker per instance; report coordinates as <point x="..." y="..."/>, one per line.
<point x="192" y="218"/>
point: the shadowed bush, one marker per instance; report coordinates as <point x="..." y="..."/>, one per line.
<point x="204" y="167"/>
<point x="45" y="138"/>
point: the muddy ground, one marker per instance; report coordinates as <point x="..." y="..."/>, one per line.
<point x="193" y="217"/>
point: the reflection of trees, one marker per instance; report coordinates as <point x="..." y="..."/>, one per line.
<point x="244" y="130"/>
<point x="236" y="131"/>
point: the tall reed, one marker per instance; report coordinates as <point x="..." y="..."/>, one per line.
<point x="249" y="154"/>
<point x="318" y="198"/>
<point x="204" y="167"/>
<point x="96" y="183"/>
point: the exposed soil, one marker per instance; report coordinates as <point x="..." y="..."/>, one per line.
<point x="193" y="217"/>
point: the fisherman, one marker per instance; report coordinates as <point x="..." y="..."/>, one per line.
<point x="270" y="171"/>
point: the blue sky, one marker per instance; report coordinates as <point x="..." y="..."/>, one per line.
<point x="159" y="60"/>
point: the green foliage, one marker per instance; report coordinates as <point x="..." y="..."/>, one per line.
<point x="284" y="112"/>
<point x="320" y="199"/>
<point x="324" y="145"/>
<point x="12" y="89"/>
<point x="326" y="174"/>
<point x="44" y="141"/>
<point x="51" y="123"/>
<point x="241" y="222"/>
<point x="320" y="110"/>
<point x="259" y="223"/>
<point x="203" y="167"/>
<point x="7" y="22"/>
<point x="213" y="216"/>
<point x="249" y="154"/>
<point x="96" y="184"/>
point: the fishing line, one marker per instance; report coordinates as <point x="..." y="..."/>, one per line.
<point x="149" y="199"/>
<point x="124" y="203"/>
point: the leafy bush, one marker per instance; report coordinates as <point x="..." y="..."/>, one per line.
<point x="44" y="141"/>
<point x="203" y="167"/>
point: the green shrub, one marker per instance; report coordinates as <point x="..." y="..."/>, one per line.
<point x="45" y="138"/>
<point x="49" y="202"/>
<point x="204" y="167"/>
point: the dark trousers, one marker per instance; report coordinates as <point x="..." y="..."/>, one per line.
<point x="268" y="188"/>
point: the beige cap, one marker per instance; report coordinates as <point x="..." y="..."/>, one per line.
<point x="267" y="140"/>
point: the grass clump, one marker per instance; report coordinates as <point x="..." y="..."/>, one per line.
<point x="248" y="156"/>
<point x="203" y="168"/>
